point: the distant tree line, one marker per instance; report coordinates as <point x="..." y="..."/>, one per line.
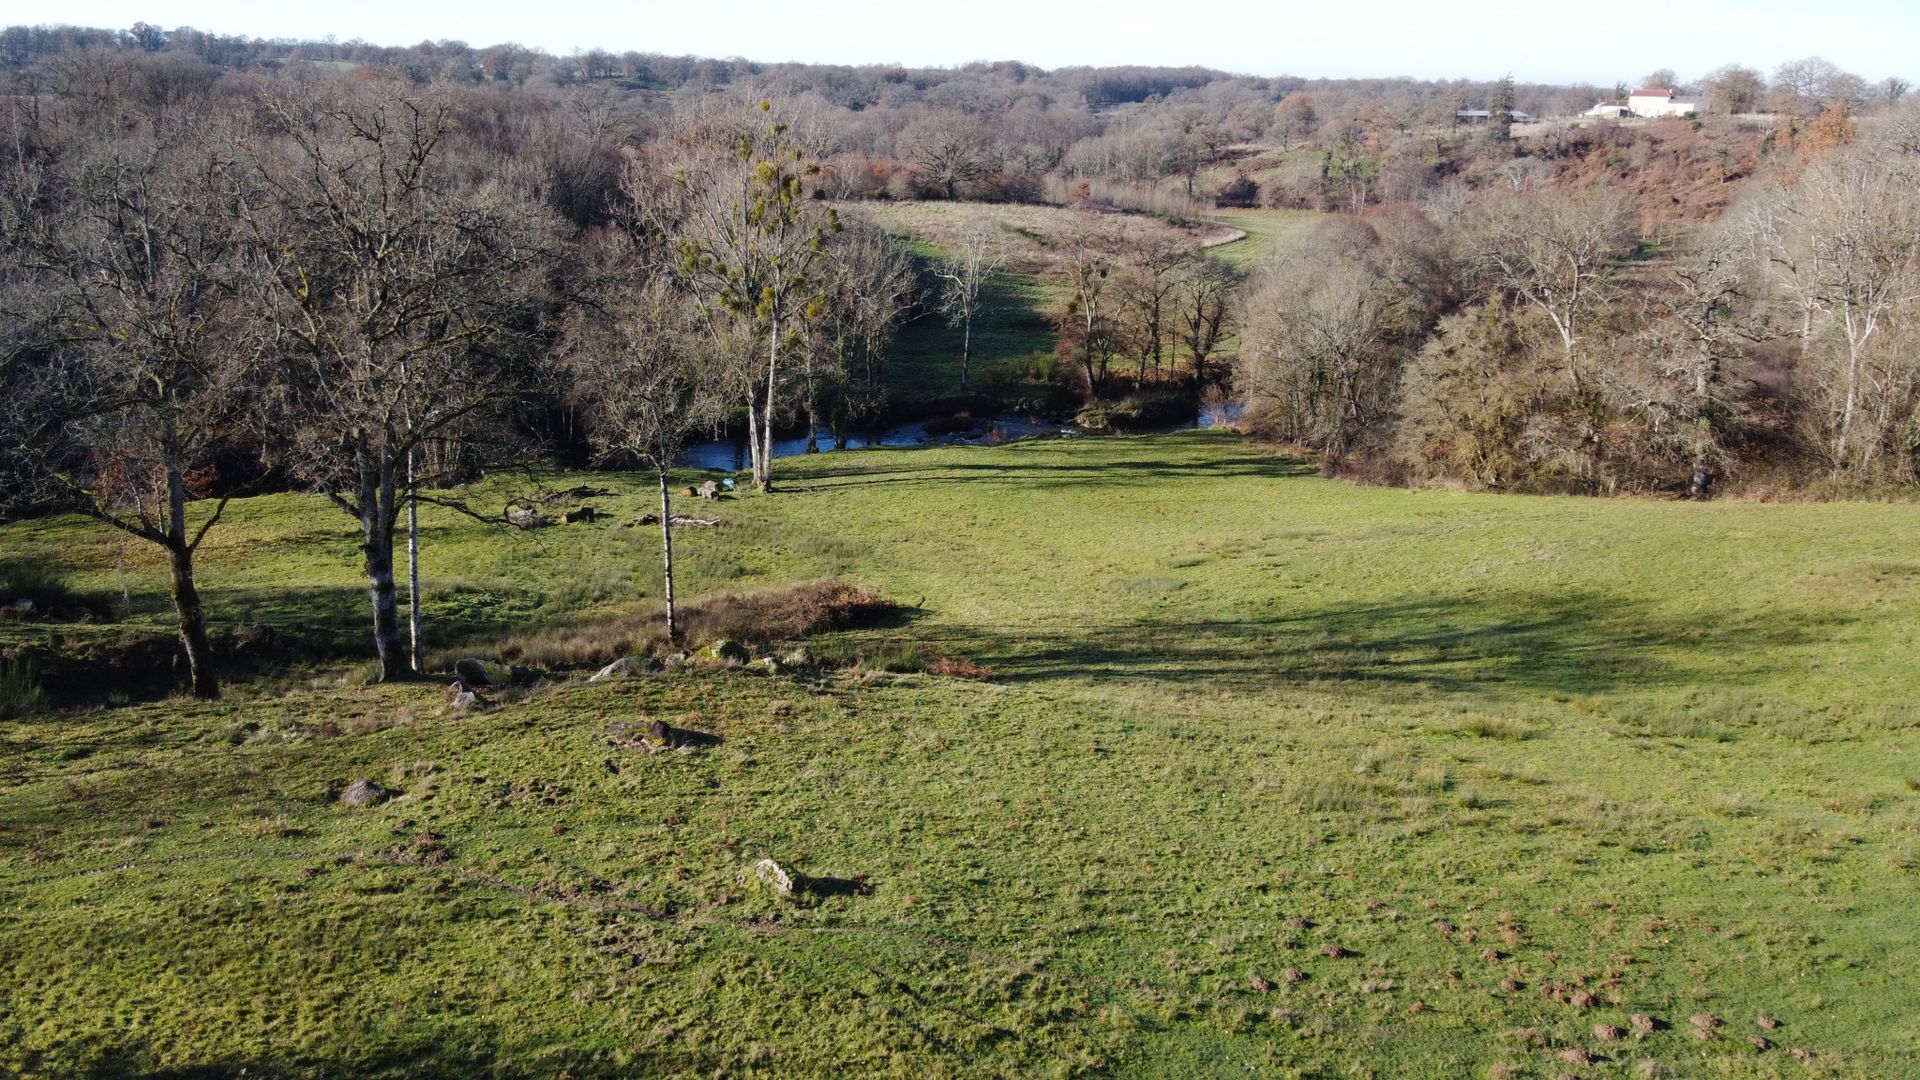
<point x="988" y="131"/>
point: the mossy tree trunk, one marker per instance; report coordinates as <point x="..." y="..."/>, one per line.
<point x="377" y="513"/>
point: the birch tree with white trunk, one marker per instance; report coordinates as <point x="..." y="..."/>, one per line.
<point x="964" y="275"/>
<point x="644" y="368"/>
<point x="401" y="293"/>
<point x="746" y="241"/>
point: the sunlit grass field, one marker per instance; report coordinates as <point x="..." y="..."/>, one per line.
<point x="1275" y="775"/>
<point x="1014" y="337"/>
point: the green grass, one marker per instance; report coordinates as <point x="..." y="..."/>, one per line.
<point x="1013" y="339"/>
<point x="1657" y="753"/>
<point x="1265" y="229"/>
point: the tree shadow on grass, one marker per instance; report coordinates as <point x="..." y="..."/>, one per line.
<point x="1094" y="470"/>
<point x="421" y="1057"/>
<point x="1555" y="643"/>
<point x="257" y="632"/>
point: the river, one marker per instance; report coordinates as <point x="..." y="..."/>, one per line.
<point x="731" y="455"/>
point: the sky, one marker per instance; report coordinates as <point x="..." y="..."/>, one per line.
<point x="1554" y="41"/>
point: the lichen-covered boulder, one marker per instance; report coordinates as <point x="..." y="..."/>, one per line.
<point x="725" y="652"/>
<point x="773" y="876"/>
<point x="625" y="666"/>
<point x="364" y="793"/>
<point x="482" y="674"/>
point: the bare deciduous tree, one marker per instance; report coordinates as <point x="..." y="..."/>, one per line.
<point x="642" y="364"/>
<point x="1321" y="351"/>
<point x="1734" y="89"/>
<point x="1088" y="261"/>
<point x="1676" y="376"/>
<point x="1203" y="297"/>
<point x="1843" y="243"/>
<point x="1150" y="274"/>
<point x="873" y="283"/>
<point x="749" y="245"/>
<point x="138" y="253"/>
<point x="1553" y="250"/>
<point x="1294" y="119"/>
<point x="401" y="292"/>
<point x="965" y="274"/>
<point x="948" y="149"/>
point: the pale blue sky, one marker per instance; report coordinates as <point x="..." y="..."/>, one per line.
<point x="1550" y="42"/>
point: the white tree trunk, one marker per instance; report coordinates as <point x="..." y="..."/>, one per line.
<point x="413" y="572"/>
<point x="763" y="465"/>
<point x="666" y="549"/>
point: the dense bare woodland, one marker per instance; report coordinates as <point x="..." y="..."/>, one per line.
<point x="233" y="264"/>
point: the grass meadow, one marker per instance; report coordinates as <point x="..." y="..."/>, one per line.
<point x="1273" y="776"/>
<point x="1014" y="337"/>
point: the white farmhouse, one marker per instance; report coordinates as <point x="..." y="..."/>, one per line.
<point x="1658" y="102"/>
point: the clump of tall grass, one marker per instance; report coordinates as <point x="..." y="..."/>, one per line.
<point x="20" y="691"/>
<point x="1333" y="792"/>
<point x="1495" y="727"/>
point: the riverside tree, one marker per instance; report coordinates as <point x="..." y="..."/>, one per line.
<point x="964" y="275"/>
<point x="1088" y="260"/>
<point x="1149" y="280"/>
<point x="873" y="285"/>
<point x="1552" y="250"/>
<point x="1842" y="244"/>
<point x="1699" y="344"/>
<point x="1203" y="297"/>
<point x="1322" y="345"/>
<point x="748" y="245"/>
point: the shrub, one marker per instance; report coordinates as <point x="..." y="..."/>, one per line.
<point x="1241" y="191"/>
<point x="1143" y="411"/>
<point x="1467" y="399"/>
<point x="948" y="667"/>
<point x="20" y="691"/>
<point x="755" y="618"/>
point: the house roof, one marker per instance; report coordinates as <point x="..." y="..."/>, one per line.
<point x="1656" y="91"/>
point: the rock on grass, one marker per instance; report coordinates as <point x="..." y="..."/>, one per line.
<point x="773" y="876"/>
<point x="364" y="793"/>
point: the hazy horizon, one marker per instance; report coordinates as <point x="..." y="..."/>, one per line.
<point x="1420" y="41"/>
